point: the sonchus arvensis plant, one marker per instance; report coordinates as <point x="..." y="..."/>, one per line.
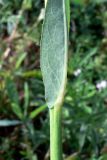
<point x="54" y="57"/>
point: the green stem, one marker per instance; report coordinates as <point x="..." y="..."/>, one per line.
<point x="56" y="133"/>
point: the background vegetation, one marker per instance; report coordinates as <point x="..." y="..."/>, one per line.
<point x="24" y="120"/>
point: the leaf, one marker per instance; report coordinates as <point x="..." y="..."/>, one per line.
<point x="12" y="91"/>
<point x="20" y="60"/>
<point x="72" y="157"/>
<point x="79" y="2"/>
<point x="13" y="97"/>
<point x="26" y="98"/>
<point x="37" y="111"/>
<point x="82" y="136"/>
<point x="27" y="4"/>
<point x="54" y="48"/>
<point x="17" y="110"/>
<point x="91" y="53"/>
<point x="7" y="123"/>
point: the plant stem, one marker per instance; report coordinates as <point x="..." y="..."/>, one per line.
<point x="55" y="133"/>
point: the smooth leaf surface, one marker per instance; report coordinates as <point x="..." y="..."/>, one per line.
<point x="54" y="46"/>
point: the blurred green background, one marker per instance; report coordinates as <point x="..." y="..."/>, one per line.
<point x="24" y="119"/>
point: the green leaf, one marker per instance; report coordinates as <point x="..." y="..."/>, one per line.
<point x="79" y="2"/>
<point x="20" y="60"/>
<point x="13" y="97"/>
<point x="12" y="91"/>
<point x="37" y="111"/>
<point x="54" y="48"/>
<point x="17" y="110"/>
<point x="72" y="157"/>
<point x="26" y="98"/>
<point x="27" y="4"/>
